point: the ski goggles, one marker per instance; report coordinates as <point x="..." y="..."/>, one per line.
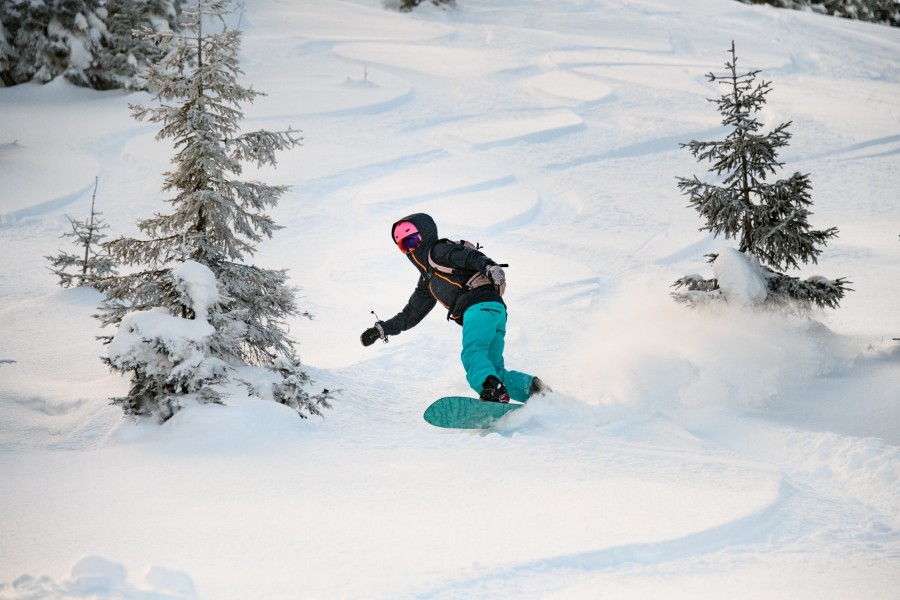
<point x="410" y="242"/>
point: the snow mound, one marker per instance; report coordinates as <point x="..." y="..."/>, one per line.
<point x="531" y="126"/>
<point x="438" y="178"/>
<point x="741" y="279"/>
<point x="571" y="86"/>
<point x="96" y="577"/>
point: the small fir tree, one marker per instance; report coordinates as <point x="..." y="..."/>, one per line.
<point x="217" y="218"/>
<point x="95" y="262"/>
<point x="769" y="220"/>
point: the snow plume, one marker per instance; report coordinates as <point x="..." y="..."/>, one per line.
<point x="649" y="352"/>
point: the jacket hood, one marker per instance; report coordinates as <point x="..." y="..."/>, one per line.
<point x="424" y="223"/>
<point x="427" y="229"/>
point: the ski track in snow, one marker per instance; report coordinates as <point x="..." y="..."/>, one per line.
<point x="754" y="528"/>
<point x="522" y="130"/>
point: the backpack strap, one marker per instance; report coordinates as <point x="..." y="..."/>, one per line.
<point x="475" y="280"/>
<point x="448" y="270"/>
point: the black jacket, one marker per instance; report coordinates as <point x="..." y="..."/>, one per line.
<point x="434" y="286"/>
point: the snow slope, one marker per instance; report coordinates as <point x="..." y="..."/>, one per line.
<point x="686" y="453"/>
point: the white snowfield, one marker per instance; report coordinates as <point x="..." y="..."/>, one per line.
<point x="721" y="452"/>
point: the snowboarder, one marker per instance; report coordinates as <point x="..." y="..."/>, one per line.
<point x="470" y="285"/>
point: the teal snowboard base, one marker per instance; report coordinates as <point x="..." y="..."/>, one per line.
<point x="458" y="412"/>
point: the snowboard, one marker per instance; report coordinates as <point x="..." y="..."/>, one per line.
<point x="459" y="412"/>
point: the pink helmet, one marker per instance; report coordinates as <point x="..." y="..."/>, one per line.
<point x="403" y="229"/>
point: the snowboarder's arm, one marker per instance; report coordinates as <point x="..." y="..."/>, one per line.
<point x="420" y="304"/>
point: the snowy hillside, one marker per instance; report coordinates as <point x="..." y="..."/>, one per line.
<point x="720" y="453"/>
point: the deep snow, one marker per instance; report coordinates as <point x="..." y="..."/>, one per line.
<point x="686" y="453"/>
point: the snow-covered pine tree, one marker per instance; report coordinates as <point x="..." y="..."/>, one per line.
<point x="878" y="11"/>
<point x="171" y="358"/>
<point x="122" y="58"/>
<point x="93" y="262"/>
<point x="217" y="219"/>
<point x="7" y="52"/>
<point x="89" y="42"/>
<point x="769" y="220"/>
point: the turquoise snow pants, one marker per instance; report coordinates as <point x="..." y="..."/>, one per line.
<point x="483" y="339"/>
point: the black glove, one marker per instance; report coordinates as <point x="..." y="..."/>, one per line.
<point x="372" y="335"/>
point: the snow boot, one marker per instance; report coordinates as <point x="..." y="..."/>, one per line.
<point x="494" y="390"/>
<point x="538" y="387"/>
